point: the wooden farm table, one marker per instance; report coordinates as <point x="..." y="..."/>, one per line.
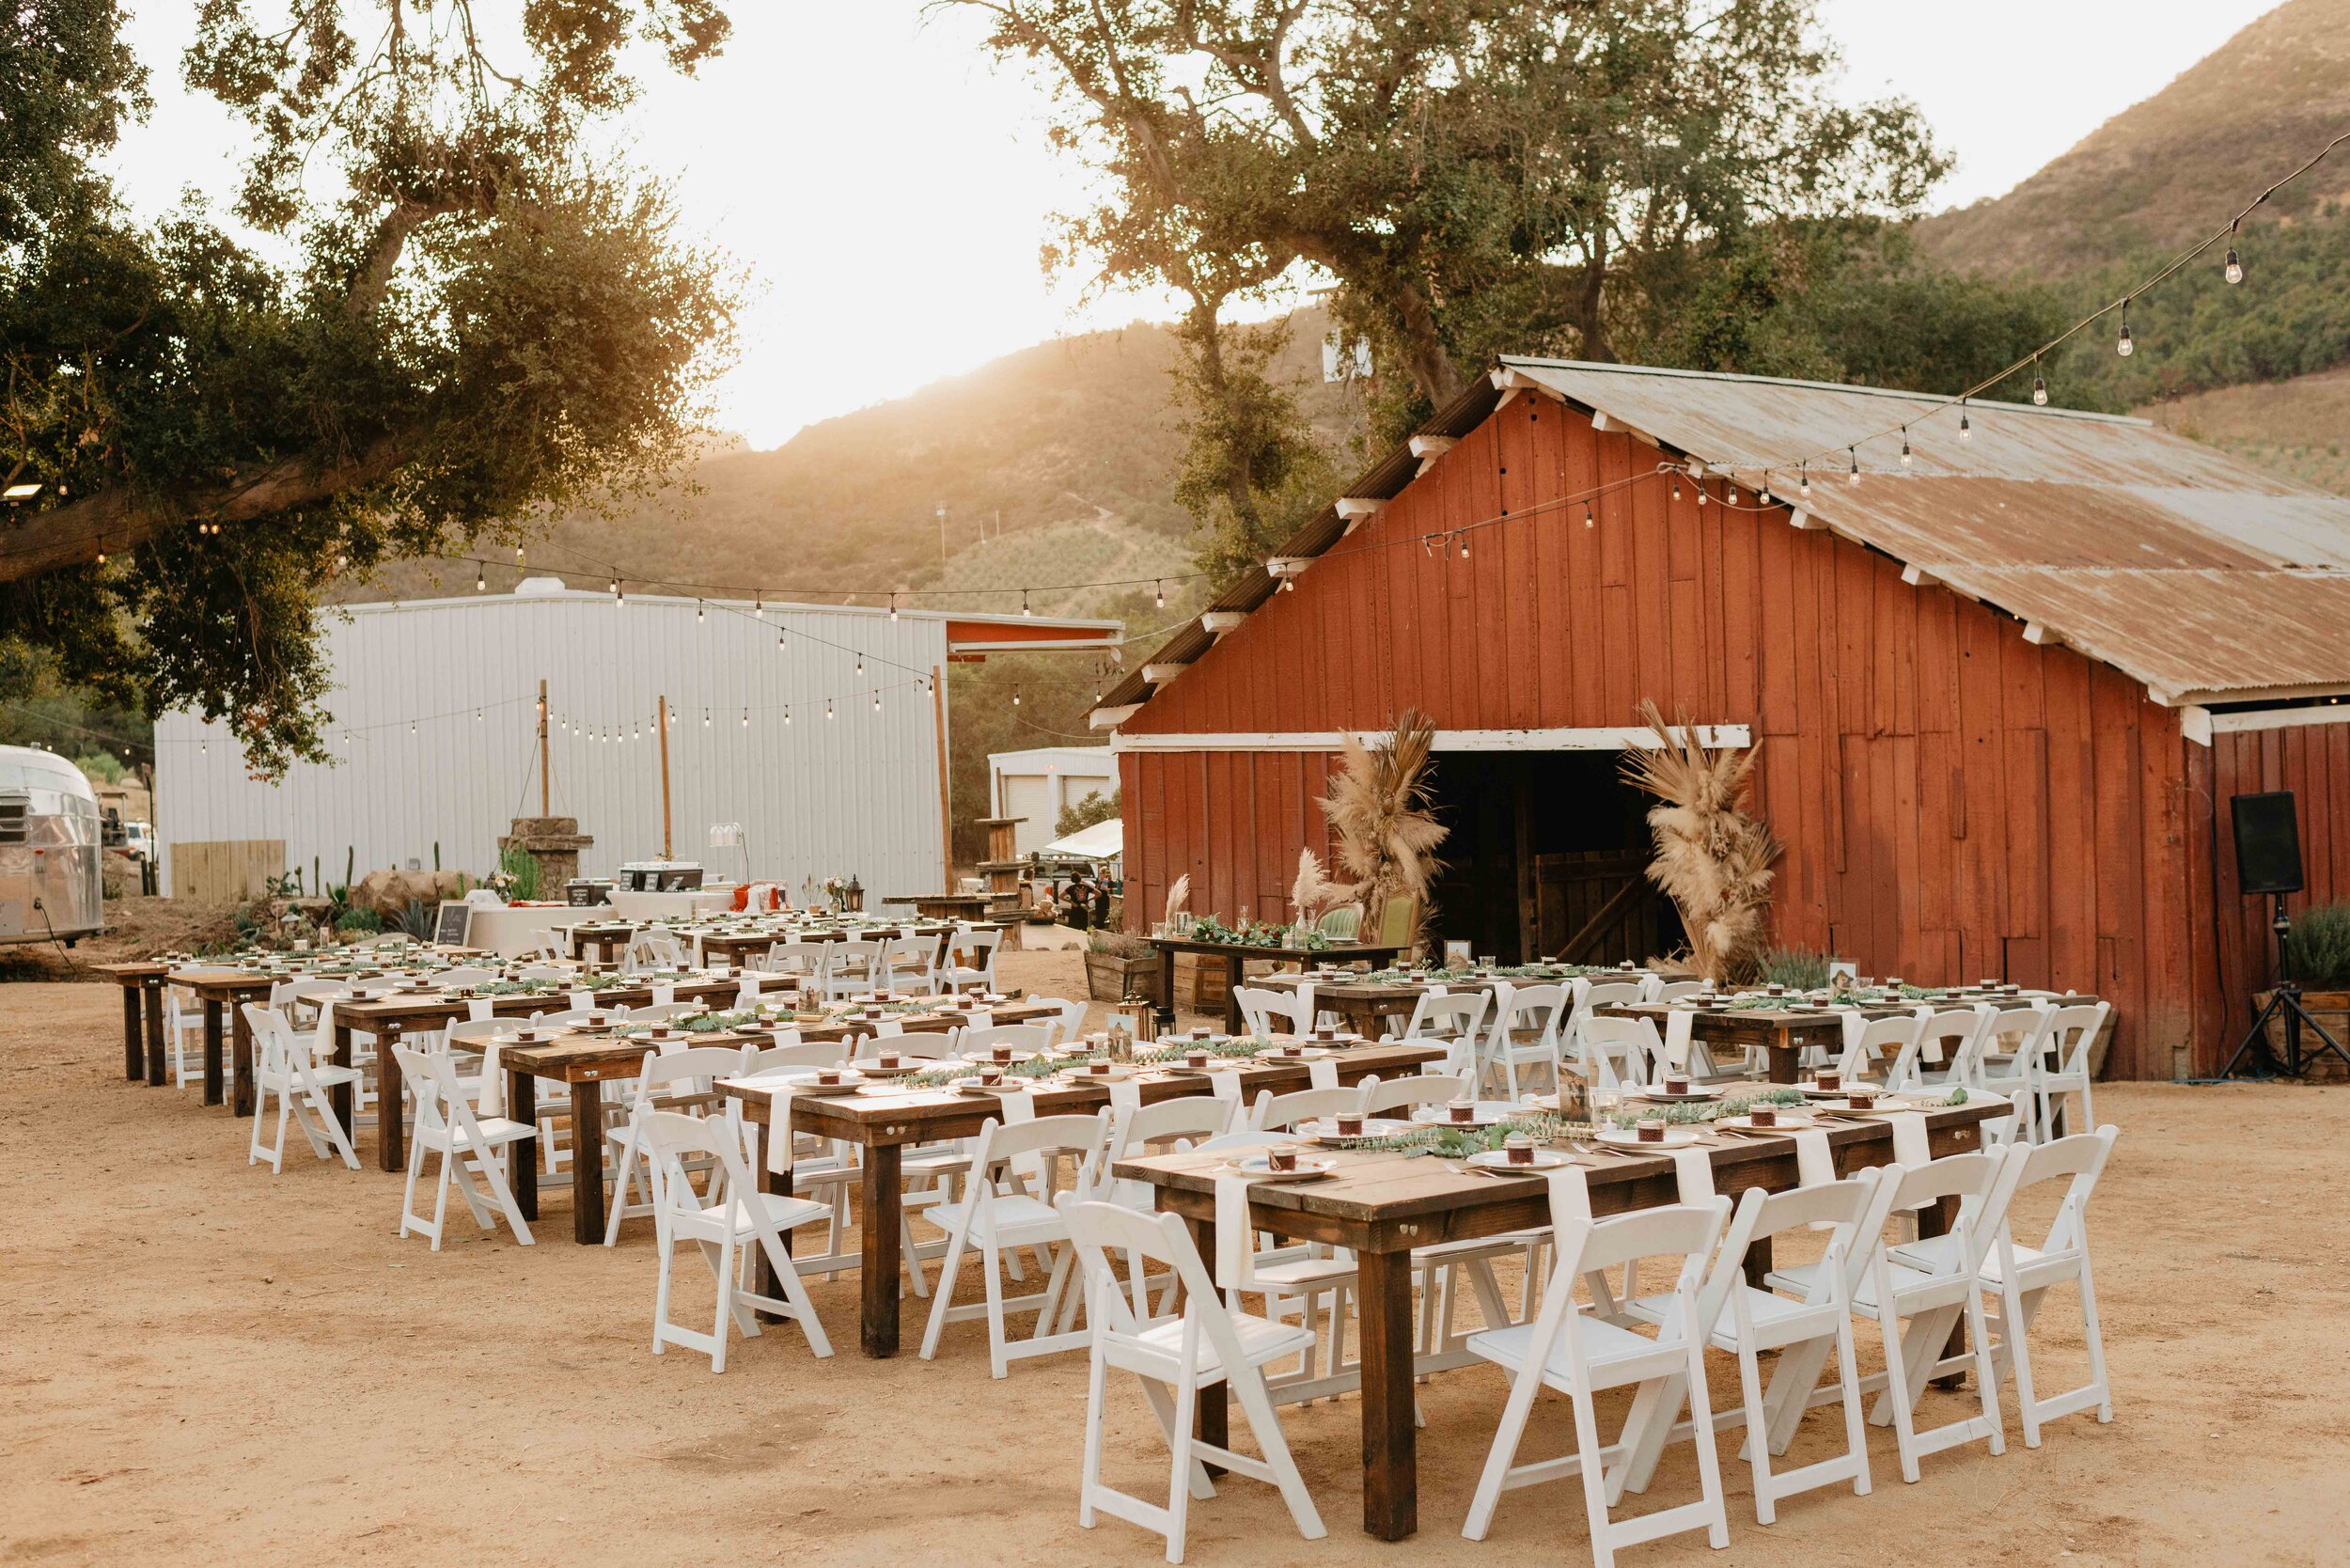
<point x="219" y="990"/>
<point x="1785" y="1033"/>
<point x="1383" y="1205"/>
<point x="142" y="998"/>
<point x="585" y="1062"/>
<point x="608" y="937"/>
<point x="1237" y="954"/>
<point x="946" y="906"/>
<point x="388" y="1018"/>
<point x="882" y="1125"/>
<point x="737" y="945"/>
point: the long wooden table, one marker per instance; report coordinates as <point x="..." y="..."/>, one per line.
<point x="1787" y="1032"/>
<point x="583" y="1063"/>
<point x="142" y="1014"/>
<point x="1382" y="1206"/>
<point x="1237" y="955"/>
<point x="882" y="1126"/>
<point x="1368" y="1004"/>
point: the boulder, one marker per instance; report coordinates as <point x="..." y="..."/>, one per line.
<point x="387" y="892"/>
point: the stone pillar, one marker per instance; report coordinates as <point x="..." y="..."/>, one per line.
<point x="555" y="842"/>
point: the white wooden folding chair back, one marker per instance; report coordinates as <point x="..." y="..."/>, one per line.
<point x="910" y="965"/>
<point x="662" y="1013"/>
<point x="2009" y="1064"/>
<point x="1276" y="1113"/>
<point x="1072" y="1022"/>
<point x="282" y="1065"/>
<point x="854" y="970"/>
<point x="802" y="961"/>
<point x="1676" y="991"/>
<point x="1457" y="1018"/>
<point x="1410" y="1093"/>
<point x="1525" y="1033"/>
<point x="971" y="957"/>
<point x="793" y="1053"/>
<point x="2019" y="1279"/>
<point x="1617" y="1051"/>
<point x="1580" y="1353"/>
<point x="680" y="1081"/>
<point x="737" y="1223"/>
<point x="929" y="1044"/>
<point x="467" y="1144"/>
<point x="1266" y="1009"/>
<point x="980" y="1037"/>
<point x="1175" y="1359"/>
<point x="653" y="948"/>
<point x="1879" y="1045"/>
<point x="449" y="980"/>
<point x="2065" y="1051"/>
<point x="1587" y="997"/>
<point x="564" y="1018"/>
<point x="545" y="972"/>
<point x="1945" y="1053"/>
<point x="544" y="945"/>
<point x="1001" y="1209"/>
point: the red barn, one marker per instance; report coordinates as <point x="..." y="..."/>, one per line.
<point x="2003" y="681"/>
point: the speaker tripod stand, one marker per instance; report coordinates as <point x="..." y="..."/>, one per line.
<point x="2284" y="1005"/>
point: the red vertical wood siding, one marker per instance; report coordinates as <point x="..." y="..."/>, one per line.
<point x="1954" y="802"/>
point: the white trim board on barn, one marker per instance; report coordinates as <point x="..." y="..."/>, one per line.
<point x="2200" y="723"/>
<point x="1598" y="738"/>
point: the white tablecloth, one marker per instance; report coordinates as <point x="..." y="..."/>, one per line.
<point x="653" y="906"/>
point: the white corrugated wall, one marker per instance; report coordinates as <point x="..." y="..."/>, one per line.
<point x="858" y="794"/>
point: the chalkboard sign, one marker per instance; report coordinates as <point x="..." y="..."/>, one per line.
<point x="449" y="930"/>
<point x="585" y="895"/>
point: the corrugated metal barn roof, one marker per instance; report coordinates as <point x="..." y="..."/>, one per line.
<point x="2199" y="576"/>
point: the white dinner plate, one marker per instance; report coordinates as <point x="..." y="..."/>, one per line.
<point x="1488" y="1112"/>
<point x="1373" y="1127"/>
<point x="1498" y="1159"/>
<point x="1311" y="1167"/>
<point x="1628" y="1138"/>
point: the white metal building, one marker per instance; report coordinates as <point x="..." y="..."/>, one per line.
<point x="1037" y="784"/>
<point x="434" y="734"/>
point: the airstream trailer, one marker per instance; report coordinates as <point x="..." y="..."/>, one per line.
<point x="49" y="851"/>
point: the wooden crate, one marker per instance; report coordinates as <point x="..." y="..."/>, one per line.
<point x="224" y="870"/>
<point x="1110" y="977"/>
<point x="1200" y="986"/>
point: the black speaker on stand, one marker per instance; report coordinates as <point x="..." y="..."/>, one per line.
<point x="2268" y="860"/>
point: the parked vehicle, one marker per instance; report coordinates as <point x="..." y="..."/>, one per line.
<point x="138" y="840"/>
<point x="49" y="849"/>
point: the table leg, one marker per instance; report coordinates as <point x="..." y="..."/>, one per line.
<point x="588" y="1163"/>
<point x="241" y="1054"/>
<point x="1211" y="1418"/>
<point x="522" y="1155"/>
<point x="878" y="1186"/>
<point x="156" y="1050"/>
<point x="1786" y="1059"/>
<point x="391" y="1116"/>
<point x="339" y="1097"/>
<point x="1757" y="1263"/>
<point x="134" y="1058"/>
<point x="1936" y="1219"/>
<point x="211" y="1051"/>
<point x="1166" y="980"/>
<point x="763" y="1267"/>
<point x="1391" y="1464"/>
<point x="1234" y="969"/>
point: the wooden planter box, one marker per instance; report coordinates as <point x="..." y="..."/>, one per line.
<point x="1112" y="979"/>
<point x="1200" y="986"/>
<point x="2333" y="1009"/>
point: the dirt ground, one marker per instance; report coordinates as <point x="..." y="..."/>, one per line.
<point x="206" y="1364"/>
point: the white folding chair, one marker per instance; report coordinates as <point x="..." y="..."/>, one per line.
<point x="1265" y="1010"/>
<point x="1277" y="1113"/>
<point x="1457" y="1018"/>
<point x="1617" y="1051"/>
<point x="805" y="961"/>
<point x="971" y="958"/>
<point x="1579" y="1353"/>
<point x="2072" y="1031"/>
<point x="1943" y="1054"/>
<point x="1176" y="1359"/>
<point x="682" y="1080"/>
<point x="282" y="1065"/>
<point x="910" y="965"/>
<point x="653" y="948"/>
<point x="2018" y="1279"/>
<point x="1676" y="991"/>
<point x="2008" y="1065"/>
<point x="1070" y="1025"/>
<point x="854" y="970"/>
<point x="1587" y="996"/>
<point x="1525" y="1032"/>
<point x="446" y="1125"/>
<point x="736" y="1224"/>
<point x="1884" y="1041"/>
<point x="1003" y="1209"/>
<point x="1746" y="1322"/>
<point x="662" y="1013"/>
<point x="1173" y="1126"/>
<point x="1930" y="1288"/>
<point x="979" y="1039"/>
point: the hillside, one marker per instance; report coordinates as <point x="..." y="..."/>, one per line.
<point x="1055" y="465"/>
<point x="2156" y="175"/>
<point x="2297" y="427"/>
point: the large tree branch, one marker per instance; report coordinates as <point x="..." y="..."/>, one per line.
<point x="114" y="520"/>
<point x="391" y="238"/>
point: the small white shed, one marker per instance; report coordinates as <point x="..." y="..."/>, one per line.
<point x="1038" y="784"/>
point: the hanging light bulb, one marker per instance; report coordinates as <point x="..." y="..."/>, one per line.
<point x="1024" y="602"/>
<point x="1966" y="432"/>
<point x="2233" y="271"/>
<point x="860" y="663"/>
<point x="828" y="708"/>
<point x="1701" y="497"/>
<point x="746" y="718"/>
<point x="1762" y="495"/>
<point x="1464" y="538"/>
<point x="1162" y="590"/>
<point x="2122" y="345"/>
<point x="481" y="577"/>
<point x="412" y="726"/>
<point x="101" y="557"/>
<point x="758" y="610"/>
<point x="1855" y="453"/>
<point x="201" y="748"/>
<point x="697" y="612"/>
<point x="787" y="713"/>
<point x="1016" y="696"/>
<point x="1588" y="519"/>
<point x="2039" y="384"/>
<point x="1906" y="447"/>
<point x="1803" y="481"/>
<point x="705" y="718"/>
<point x="893" y="606"/>
<point x="877" y="703"/>
<point x="779" y="640"/>
<point x="1676" y="486"/>
<point x="518" y="558"/>
<point x="615" y="588"/>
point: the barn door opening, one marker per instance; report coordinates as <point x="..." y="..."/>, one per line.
<point x="1546" y="858"/>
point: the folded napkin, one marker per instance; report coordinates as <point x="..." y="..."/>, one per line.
<point x="1019" y="1106"/>
<point x="1570" y="1196"/>
<point x="1126" y="1094"/>
<point x="779" y="1130"/>
<point x="1235" y="1241"/>
<point x="1676" y="1024"/>
<point x="1225" y="1086"/>
<point x="1815" y="1162"/>
<point x="1855" y="1027"/>
<point x="322" y="1041"/>
<point x="492" y="1102"/>
<point x="1909" y="1138"/>
<point x="1693" y="1171"/>
<point x="1322" y="1072"/>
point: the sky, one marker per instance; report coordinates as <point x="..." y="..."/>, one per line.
<point x="889" y="186"/>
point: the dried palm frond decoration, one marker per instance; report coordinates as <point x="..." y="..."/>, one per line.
<point x="1378" y="809"/>
<point x="1177" y="897"/>
<point x="1713" y="859"/>
<point x="1311" y="892"/>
